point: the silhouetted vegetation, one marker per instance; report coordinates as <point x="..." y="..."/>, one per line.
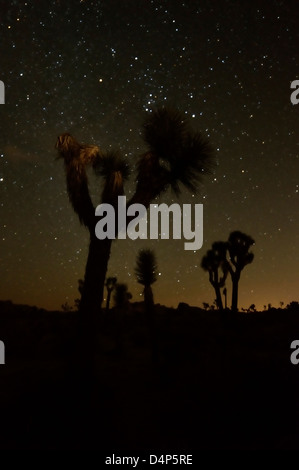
<point x="110" y="285"/>
<point x="216" y="264"/>
<point x="293" y="306"/>
<point x="239" y="256"/>
<point x="228" y="257"/>
<point x="176" y="156"/>
<point x="121" y="295"/>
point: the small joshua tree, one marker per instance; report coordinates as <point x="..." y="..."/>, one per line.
<point x="238" y="246"/>
<point x="110" y="286"/>
<point x="215" y="263"/>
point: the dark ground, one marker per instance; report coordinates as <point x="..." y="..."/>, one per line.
<point x="219" y="383"/>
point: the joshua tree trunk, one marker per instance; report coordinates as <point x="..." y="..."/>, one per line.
<point x="108" y="299"/>
<point x="225" y="297"/>
<point x="92" y="295"/>
<point x="218" y="297"/>
<point x="235" y="282"/>
<point x="216" y="284"/>
<point x="149" y="303"/>
<point x="150" y="317"/>
<point x="214" y="263"/>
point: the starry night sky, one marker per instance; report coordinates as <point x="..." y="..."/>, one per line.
<point x="96" y="69"/>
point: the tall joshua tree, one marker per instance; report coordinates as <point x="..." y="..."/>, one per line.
<point x="215" y="263"/>
<point x="146" y="274"/>
<point x="110" y="286"/>
<point x="114" y="172"/>
<point x="238" y="246"/>
<point x="176" y="156"/>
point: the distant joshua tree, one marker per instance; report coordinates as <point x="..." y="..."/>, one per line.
<point x="238" y="246"/>
<point x="121" y="295"/>
<point x="228" y="257"/>
<point x="110" y="286"/>
<point x="251" y="308"/>
<point x="176" y="155"/>
<point x="216" y="264"/>
<point x="146" y="274"/>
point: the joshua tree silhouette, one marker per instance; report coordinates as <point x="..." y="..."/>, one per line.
<point x="110" y="286"/>
<point x="251" y="308"/>
<point x="225" y="297"/>
<point x="238" y="246"/>
<point x="176" y="155"/>
<point x="121" y="295"/>
<point x="146" y="274"/>
<point x="216" y="264"/>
